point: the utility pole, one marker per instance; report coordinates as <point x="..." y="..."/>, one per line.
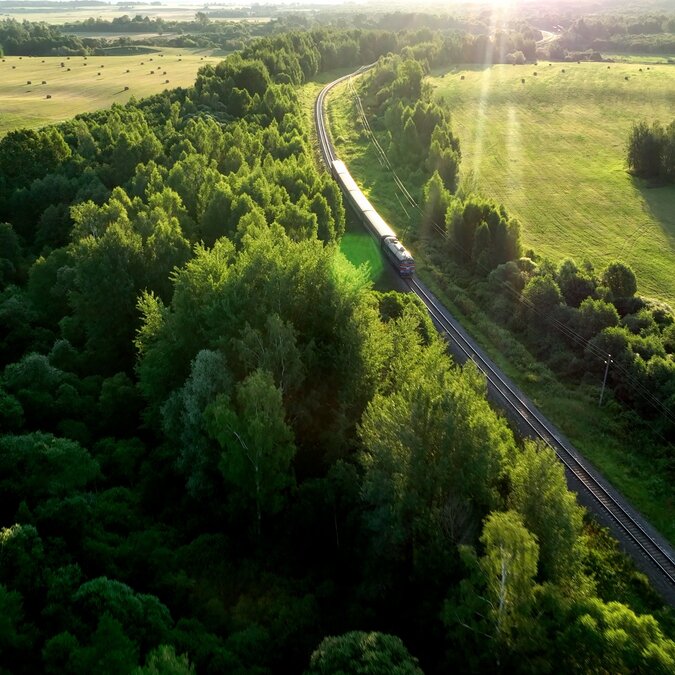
<point x="604" y="381"/>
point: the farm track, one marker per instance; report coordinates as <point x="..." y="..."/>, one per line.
<point x="649" y="550"/>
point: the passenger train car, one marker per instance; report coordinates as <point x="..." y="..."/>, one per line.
<point x="393" y="249"/>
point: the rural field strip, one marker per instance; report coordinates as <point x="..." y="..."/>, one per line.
<point x="656" y="559"/>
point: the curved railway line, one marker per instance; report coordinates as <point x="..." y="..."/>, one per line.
<point x="654" y="557"/>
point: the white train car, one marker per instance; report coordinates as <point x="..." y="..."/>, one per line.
<point x="398" y="255"/>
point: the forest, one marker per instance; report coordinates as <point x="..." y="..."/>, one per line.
<point x="222" y="451"/>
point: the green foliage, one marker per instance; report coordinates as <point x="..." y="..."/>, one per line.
<point x="256" y="441"/>
<point x="651" y="151"/>
<point x="362" y="654"/>
<point x="549" y="511"/>
<point x="38" y="465"/>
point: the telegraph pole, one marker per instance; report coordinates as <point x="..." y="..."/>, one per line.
<point x="604" y="381"/>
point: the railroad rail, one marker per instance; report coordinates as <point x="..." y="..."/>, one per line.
<point x="659" y="561"/>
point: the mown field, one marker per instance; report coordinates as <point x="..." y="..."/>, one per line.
<point x="92" y="83"/>
<point x="596" y="432"/>
<point x="552" y="149"/>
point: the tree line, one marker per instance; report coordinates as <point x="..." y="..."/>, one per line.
<point x="651" y="151"/>
<point x="222" y="451"/>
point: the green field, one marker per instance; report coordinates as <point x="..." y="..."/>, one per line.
<point x="552" y="150"/>
<point x="92" y="83"/>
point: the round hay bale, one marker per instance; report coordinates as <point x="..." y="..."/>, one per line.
<point x="151" y="59"/>
<point x="85" y="58"/>
<point x="522" y="81"/>
<point x="461" y="78"/>
<point x="625" y="78"/>
<point x="563" y="70"/>
<point x="63" y="65"/>
<point x="180" y="59"/>
<point x="44" y="81"/>
<point x="13" y="67"/>
<point x="48" y="96"/>
<point x="640" y="69"/>
<point x="28" y="82"/>
<point x="152" y="72"/>
<point x="142" y="63"/>
<point x="126" y="88"/>
<point x="128" y="71"/>
<point x="166" y="81"/>
<point x="164" y="73"/>
<point x="535" y="73"/>
<point x="608" y="67"/>
<point x="98" y="73"/>
<point x="68" y="69"/>
<point x="647" y="67"/>
<point x="67" y="58"/>
<point x="43" y="60"/>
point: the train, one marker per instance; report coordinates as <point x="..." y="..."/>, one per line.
<point x="396" y="253"/>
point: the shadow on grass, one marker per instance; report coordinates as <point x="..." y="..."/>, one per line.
<point x="660" y="201"/>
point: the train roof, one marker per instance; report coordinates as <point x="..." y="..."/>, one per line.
<point x="379" y="225"/>
<point x="397" y="248"/>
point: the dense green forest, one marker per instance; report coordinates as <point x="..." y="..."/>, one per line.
<point x="222" y="451"/>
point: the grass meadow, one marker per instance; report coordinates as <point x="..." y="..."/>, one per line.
<point x="596" y="432"/>
<point x="552" y="149"/>
<point x="92" y="83"/>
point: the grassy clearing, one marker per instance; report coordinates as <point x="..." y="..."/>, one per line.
<point x="596" y="433"/>
<point x="552" y="150"/>
<point x="92" y="83"/>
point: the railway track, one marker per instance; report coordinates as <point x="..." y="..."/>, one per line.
<point x="658" y="561"/>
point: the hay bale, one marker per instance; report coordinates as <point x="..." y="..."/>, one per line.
<point x="142" y="63"/>
<point x="28" y="82"/>
<point x="647" y="67"/>
<point x="48" y="96"/>
<point x="68" y="69"/>
<point x="522" y="81"/>
<point x="535" y="73"/>
<point x="43" y="60"/>
<point x="164" y="73"/>
<point x="461" y="78"/>
<point x="63" y="65"/>
<point x="98" y="74"/>
<point x="180" y="59"/>
<point x="608" y="67"/>
<point x="625" y="78"/>
<point x="44" y="81"/>
<point x="166" y="81"/>
<point x="640" y="69"/>
<point x="563" y="70"/>
<point x="126" y="88"/>
<point x="152" y="72"/>
<point x="13" y="67"/>
<point x="127" y="70"/>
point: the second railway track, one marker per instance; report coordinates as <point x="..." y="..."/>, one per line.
<point x="604" y="501"/>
